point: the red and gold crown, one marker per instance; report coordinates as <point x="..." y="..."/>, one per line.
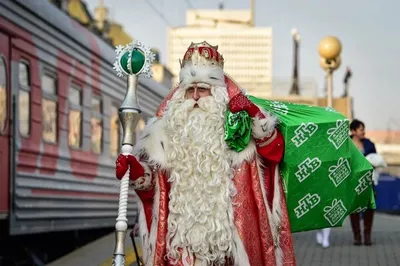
<point x="202" y="54"/>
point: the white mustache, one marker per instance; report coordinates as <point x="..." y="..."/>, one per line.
<point x="203" y="103"/>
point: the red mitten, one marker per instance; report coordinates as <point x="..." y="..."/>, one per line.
<point x="240" y="102"/>
<point x="123" y="162"/>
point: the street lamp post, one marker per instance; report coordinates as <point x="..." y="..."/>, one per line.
<point x="295" y="84"/>
<point x="329" y="49"/>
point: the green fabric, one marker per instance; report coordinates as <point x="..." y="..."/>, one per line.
<point x="325" y="176"/>
<point x="237" y="130"/>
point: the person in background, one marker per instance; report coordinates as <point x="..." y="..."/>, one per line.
<point x="367" y="147"/>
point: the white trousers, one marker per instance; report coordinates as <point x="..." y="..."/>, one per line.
<point x="323" y="237"/>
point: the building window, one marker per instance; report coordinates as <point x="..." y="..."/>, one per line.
<point x="3" y="95"/>
<point x="24" y="99"/>
<point x="49" y="108"/>
<point x="97" y="126"/>
<point x="75" y="117"/>
<point x="114" y="132"/>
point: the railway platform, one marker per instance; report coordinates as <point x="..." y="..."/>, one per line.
<point x="385" y="250"/>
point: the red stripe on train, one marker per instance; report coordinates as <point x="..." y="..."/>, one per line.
<point x="96" y="68"/>
<point x="14" y="30"/>
<point x="27" y="160"/>
<point x="78" y="156"/>
<point x="23" y="48"/>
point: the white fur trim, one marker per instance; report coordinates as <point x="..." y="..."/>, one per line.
<point x="143" y="231"/>
<point x="151" y="243"/>
<point x="239" y="252"/>
<point x="264" y="193"/>
<point x="153" y="143"/>
<point x="269" y="140"/>
<point x="273" y="216"/>
<point x="277" y="216"/>
<point x="213" y="75"/>
<point x="265" y="126"/>
<point x="144" y="182"/>
<point x="245" y="155"/>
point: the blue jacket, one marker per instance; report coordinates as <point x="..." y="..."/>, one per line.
<point x="369" y="147"/>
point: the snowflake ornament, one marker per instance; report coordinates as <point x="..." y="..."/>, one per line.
<point x="133" y="59"/>
<point x="118" y="49"/>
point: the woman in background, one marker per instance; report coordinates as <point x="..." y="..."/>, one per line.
<point x="366" y="146"/>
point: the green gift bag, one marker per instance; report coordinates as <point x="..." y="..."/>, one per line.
<point x="325" y="176"/>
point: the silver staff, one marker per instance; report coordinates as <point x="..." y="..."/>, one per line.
<point x="133" y="60"/>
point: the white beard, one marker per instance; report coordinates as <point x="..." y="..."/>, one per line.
<point x="200" y="221"/>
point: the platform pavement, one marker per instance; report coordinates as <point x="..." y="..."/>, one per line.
<point x="385" y="250"/>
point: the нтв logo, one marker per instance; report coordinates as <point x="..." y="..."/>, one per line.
<point x="303" y="133"/>
<point x="306" y="204"/>
<point x="307" y="167"/>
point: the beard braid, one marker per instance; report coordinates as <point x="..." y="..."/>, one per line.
<point x="200" y="221"/>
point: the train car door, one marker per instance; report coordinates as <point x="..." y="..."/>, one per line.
<point x="5" y="128"/>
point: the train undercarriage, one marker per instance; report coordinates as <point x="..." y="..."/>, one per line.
<point x="43" y="248"/>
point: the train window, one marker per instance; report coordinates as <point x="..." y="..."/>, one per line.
<point x="114" y="131"/>
<point x="3" y="95"/>
<point x="24" y="99"/>
<point x="96" y="105"/>
<point x="49" y="108"/>
<point x="75" y="117"/>
<point x="24" y="75"/>
<point x="97" y="126"/>
<point x="75" y="96"/>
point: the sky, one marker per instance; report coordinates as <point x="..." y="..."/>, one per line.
<point x="368" y="30"/>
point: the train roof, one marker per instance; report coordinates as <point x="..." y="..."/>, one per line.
<point x="62" y="22"/>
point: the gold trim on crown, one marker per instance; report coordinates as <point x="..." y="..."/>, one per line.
<point x="203" y="54"/>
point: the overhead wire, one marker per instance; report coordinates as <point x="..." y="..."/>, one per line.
<point x="164" y="19"/>
<point x="161" y="15"/>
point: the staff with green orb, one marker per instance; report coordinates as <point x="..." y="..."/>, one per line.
<point x="133" y="60"/>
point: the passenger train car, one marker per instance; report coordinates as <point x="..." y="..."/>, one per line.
<point x="59" y="127"/>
